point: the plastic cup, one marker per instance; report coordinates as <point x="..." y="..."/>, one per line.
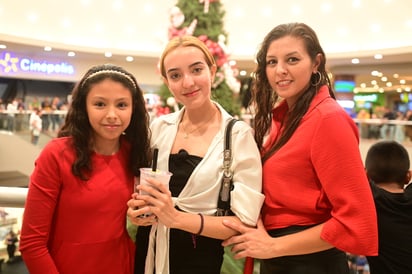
<point x="159" y="175"/>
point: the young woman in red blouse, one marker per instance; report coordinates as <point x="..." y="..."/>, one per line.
<point x="318" y="204"/>
<point x="75" y="212"/>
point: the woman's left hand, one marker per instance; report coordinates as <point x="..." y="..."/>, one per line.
<point x="251" y="242"/>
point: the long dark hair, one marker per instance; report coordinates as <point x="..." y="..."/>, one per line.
<point x="78" y="127"/>
<point x="265" y="98"/>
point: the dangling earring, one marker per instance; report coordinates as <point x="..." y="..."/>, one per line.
<point x="318" y="81"/>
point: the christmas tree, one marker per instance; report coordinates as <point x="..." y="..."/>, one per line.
<point x="204" y="19"/>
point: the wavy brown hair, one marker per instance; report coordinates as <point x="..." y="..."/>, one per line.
<point x="77" y="123"/>
<point x="264" y="97"/>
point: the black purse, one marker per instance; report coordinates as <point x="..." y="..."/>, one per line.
<point x="223" y="203"/>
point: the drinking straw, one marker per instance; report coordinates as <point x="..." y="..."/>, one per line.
<point x="154" y="162"/>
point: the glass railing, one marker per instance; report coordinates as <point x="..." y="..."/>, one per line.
<point x="18" y="121"/>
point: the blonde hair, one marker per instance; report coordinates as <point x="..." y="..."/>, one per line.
<point x="186" y="41"/>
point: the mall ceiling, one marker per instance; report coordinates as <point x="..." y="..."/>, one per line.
<point x="347" y="29"/>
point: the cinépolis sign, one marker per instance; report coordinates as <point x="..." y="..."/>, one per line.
<point x="13" y="64"/>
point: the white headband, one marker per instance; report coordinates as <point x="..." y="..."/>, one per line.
<point x="110" y="72"/>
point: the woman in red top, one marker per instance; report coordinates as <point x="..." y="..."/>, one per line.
<point x="75" y="212"/>
<point x="318" y="204"/>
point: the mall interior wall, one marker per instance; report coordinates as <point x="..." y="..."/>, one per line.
<point x="20" y="82"/>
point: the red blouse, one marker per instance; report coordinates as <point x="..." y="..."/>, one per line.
<point x="318" y="177"/>
<point x="72" y="226"/>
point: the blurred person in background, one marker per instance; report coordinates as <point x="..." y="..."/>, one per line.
<point x="11" y="242"/>
<point x="35" y="125"/>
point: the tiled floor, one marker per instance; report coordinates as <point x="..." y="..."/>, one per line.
<point x="17" y="267"/>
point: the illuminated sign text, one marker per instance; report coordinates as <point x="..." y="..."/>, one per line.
<point x="14" y="64"/>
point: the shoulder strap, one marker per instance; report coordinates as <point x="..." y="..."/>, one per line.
<point x="227" y="152"/>
<point x="224" y="194"/>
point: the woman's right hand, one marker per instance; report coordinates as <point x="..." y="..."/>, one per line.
<point x="137" y="212"/>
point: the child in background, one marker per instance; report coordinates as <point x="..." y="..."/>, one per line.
<point x="388" y="168"/>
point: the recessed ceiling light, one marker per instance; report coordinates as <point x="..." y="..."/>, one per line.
<point x="129" y="58"/>
<point x="342" y="31"/>
<point x="66" y="23"/>
<point x="326" y="7"/>
<point x="375" y="28"/>
<point x="378" y="56"/>
<point x="266" y="12"/>
<point x="117" y="5"/>
<point x="47" y="48"/>
<point x="356" y="3"/>
<point x="296" y="9"/>
<point x="355" y="61"/>
<point x="239" y="13"/>
<point x="148" y="8"/>
<point x="71" y="54"/>
<point x="3" y="46"/>
<point x="32" y="17"/>
<point x="108" y="54"/>
<point x="85" y="2"/>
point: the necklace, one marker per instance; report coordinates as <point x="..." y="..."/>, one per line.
<point x="187" y="133"/>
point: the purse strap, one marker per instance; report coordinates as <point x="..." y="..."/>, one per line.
<point x="223" y="204"/>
